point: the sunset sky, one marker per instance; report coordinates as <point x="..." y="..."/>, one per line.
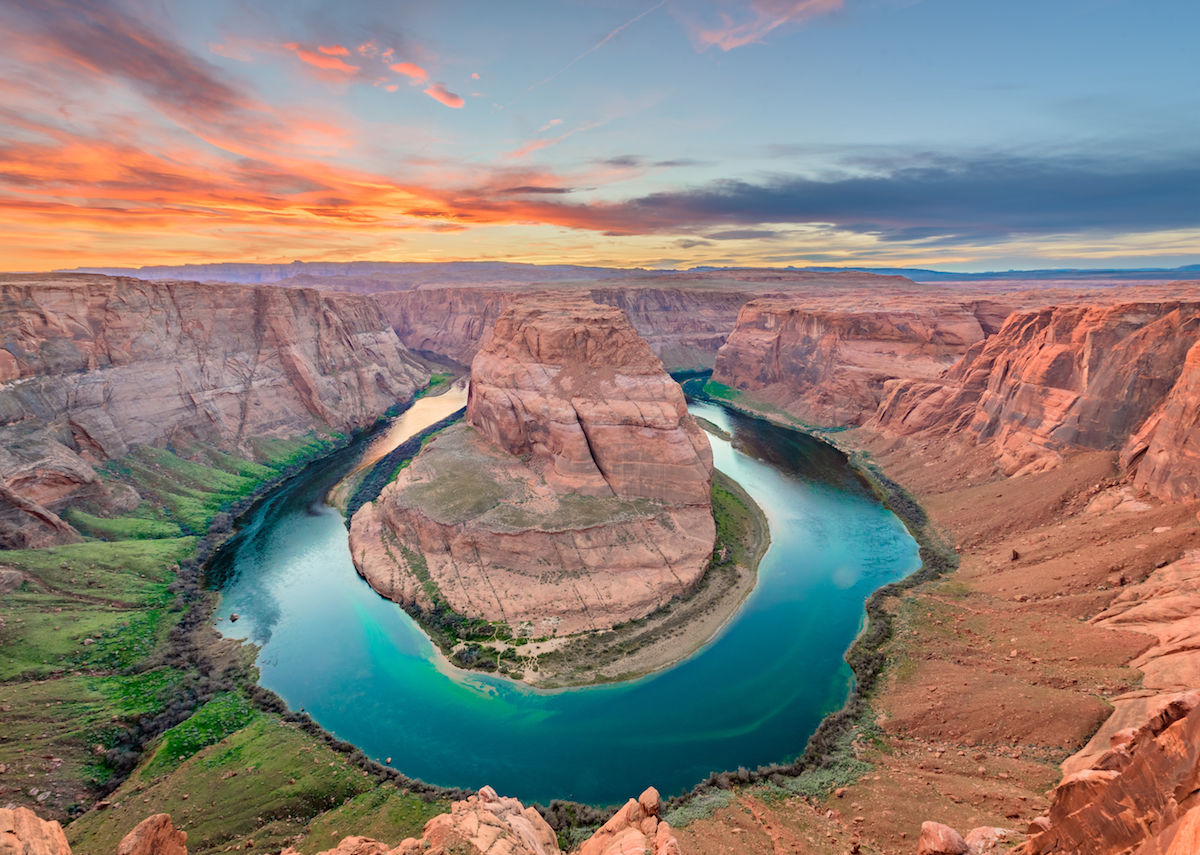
<point x="961" y="134"/>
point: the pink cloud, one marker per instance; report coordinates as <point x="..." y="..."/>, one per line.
<point x="408" y="69"/>
<point x="475" y="75"/>
<point x="333" y="50"/>
<point x="392" y="87"/>
<point x="438" y="92"/>
<point x="764" y="16"/>
<point x="321" y="60"/>
<point x="550" y="124"/>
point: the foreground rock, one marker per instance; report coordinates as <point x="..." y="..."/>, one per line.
<point x="154" y="835"/>
<point x="23" y="833"/>
<point x="576" y="497"/>
<point x="1139" y="796"/>
<point x="487" y="824"/>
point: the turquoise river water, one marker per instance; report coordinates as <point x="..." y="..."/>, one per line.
<point x="366" y="672"/>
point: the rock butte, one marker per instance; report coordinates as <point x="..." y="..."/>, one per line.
<point x="93" y="366"/>
<point x="577" y="495"/>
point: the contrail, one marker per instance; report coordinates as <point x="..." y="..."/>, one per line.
<point x="592" y="49"/>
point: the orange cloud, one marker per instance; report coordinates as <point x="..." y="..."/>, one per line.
<point x="321" y="60"/>
<point x="764" y="17"/>
<point x="409" y="69"/>
<point x="333" y="50"/>
<point x="438" y="92"/>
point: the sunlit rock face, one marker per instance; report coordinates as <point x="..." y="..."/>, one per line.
<point x="93" y="366"/>
<point x="576" y="496"/>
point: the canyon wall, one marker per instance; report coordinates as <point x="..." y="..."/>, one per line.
<point x="93" y="366"/>
<point x="684" y="327"/>
<point x="577" y="495"/>
<point x="828" y="366"/>
<point x="1096" y="377"/>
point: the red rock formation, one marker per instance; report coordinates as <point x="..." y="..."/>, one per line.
<point x="487" y="824"/>
<point x="154" y="835"/>
<point x="1141" y="796"/>
<point x="93" y="366"/>
<point x="578" y="497"/>
<point x="684" y="327"/>
<point x="829" y="366"/>
<point x="1058" y="378"/>
<point x="23" y="833"/>
<point x="1165" y="452"/>
<point x="571" y="387"/>
<point x="938" y="839"/>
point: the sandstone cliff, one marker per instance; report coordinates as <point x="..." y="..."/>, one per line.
<point x="577" y="496"/>
<point x="93" y="366"/>
<point x="683" y="326"/>
<point x="829" y="366"/>
<point x="1059" y="378"/>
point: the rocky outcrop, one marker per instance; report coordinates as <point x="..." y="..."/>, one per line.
<point x="154" y="835"/>
<point x="1141" y="796"/>
<point x="22" y="832"/>
<point x="92" y="366"/>
<point x="578" y="496"/>
<point x="634" y="829"/>
<point x="1164" y="454"/>
<point x="1059" y="378"/>
<point x="830" y="366"/>
<point x="488" y="824"/>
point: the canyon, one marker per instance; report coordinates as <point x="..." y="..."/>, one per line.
<point x="576" y="496"/>
<point x="1050" y="433"/>
<point x="92" y="367"/>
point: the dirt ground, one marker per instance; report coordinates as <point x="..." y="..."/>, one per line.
<point x="994" y="676"/>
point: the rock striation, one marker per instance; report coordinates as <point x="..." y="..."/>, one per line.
<point x="1140" y="796"/>
<point x="1113" y="377"/>
<point x="93" y="366"/>
<point x="576" y="496"/>
<point x="684" y="326"/>
<point x="830" y="366"/>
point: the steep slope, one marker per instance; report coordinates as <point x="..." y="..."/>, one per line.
<point x="577" y="496"/>
<point x="829" y="366"/>
<point x="93" y="366"/>
<point x="1058" y="378"/>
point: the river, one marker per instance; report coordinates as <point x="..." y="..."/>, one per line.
<point x="365" y="671"/>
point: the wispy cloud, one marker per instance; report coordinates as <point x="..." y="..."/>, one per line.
<point x="550" y="124"/>
<point x="757" y="19"/>
<point x="438" y="92"/>
<point x="409" y="69"/>
<point x="608" y="37"/>
<point x="323" y="58"/>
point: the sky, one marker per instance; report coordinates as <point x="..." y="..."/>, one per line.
<point x="957" y="134"/>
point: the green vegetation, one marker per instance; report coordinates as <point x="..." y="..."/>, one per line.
<point x="720" y="391"/>
<point x="112" y="676"/>
<point x="226" y="713"/>
<point x="437" y="382"/>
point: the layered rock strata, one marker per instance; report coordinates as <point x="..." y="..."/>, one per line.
<point x="93" y="366"/>
<point x="1100" y="378"/>
<point x="576" y="496"/>
<point x="830" y="367"/>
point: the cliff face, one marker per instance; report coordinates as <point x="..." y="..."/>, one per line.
<point x="684" y="327"/>
<point x="571" y="386"/>
<point x="1056" y="378"/>
<point x="578" y="495"/>
<point x="93" y="366"/>
<point x="829" y="366"/>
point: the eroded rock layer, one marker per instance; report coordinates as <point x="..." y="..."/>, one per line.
<point x="1056" y="378"/>
<point x="829" y="366"/>
<point x="93" y="366"/>
<point x="577" y="496"/>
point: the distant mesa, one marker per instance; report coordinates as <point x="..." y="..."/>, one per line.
<point x="576" y="496"/>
